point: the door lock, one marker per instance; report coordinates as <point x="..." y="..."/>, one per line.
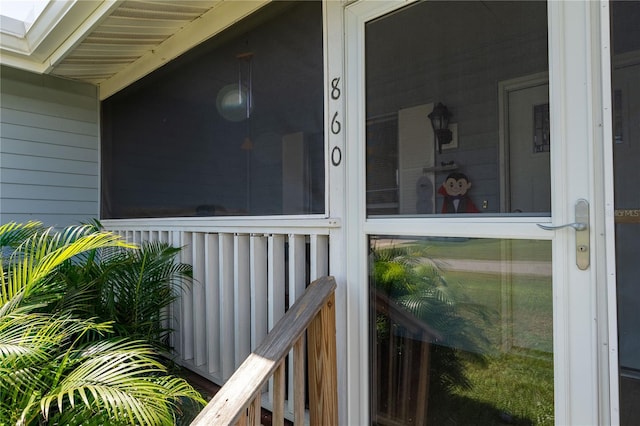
<point x="581" y="225"/>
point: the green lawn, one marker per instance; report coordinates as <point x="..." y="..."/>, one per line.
<point x="515" y="314"/>
<point x="488" y="249"/>
<point x="516" y="384"/>
<point x="520" y="307"/>
<point x="510" y="389"/>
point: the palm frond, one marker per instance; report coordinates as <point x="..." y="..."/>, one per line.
<point x="29" y="267"/>
<point x="12" y="234"/>
<point x="123" y="378"/>
<point x="138" y="287"/>
<point x="55" y="364"/>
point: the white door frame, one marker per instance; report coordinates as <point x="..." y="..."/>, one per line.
<point x="579" y="87"/>
<point x="504" y="88"/>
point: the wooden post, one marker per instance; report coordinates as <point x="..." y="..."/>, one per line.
<point x="255" y="411"/>
<point x="323" y="375"/>
<point x="298" y="381"/>
<point x="423" y="383"/>
<point x="278" y="396"/>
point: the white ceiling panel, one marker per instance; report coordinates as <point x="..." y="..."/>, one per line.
<point x="111" y="43"/>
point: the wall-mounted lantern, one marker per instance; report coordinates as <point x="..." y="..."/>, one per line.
<point x="440" y="122"/>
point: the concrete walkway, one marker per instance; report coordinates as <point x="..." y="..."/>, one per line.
<point x="522" y="267"/>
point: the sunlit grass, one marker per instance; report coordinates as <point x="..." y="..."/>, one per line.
<point x="515" y="313"/>
<point x="521" y="306"/>
<point x="515" y="386"/>
<point x="489" y="249"/>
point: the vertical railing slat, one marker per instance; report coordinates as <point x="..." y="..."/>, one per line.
<point x="255" y="412"/>
<point x="406" y="370"/>
<point x="423" y="382"/>
<point x="259" y="297"/>
<point x="298" y="381"/>
<point x="276" y="279"/>
<point x="187" y="301"/>
<point x="275" y="284"/>
<point x="199" y="305"/>
<point x="278" y="396"/>
<point x="165" y="314"/>
<point x="297" y="281"/>
<point x="241" y="298"/>
<point x="319" y="256"/>
<point x="212" y="297"/>
<point x="175" y="239"/>
<point x="243" y="419"/>
<point x="297" y="272"/>
<point x="227" y="340"/>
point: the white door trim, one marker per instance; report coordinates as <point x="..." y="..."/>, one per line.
<point x="357" y="345"/>
<point x="335" y="183"/>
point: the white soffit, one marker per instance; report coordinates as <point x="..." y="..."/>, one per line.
<point x="113" y="43"/>
<point x="219" y="16"/>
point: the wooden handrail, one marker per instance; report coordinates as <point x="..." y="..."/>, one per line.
<point x="238" y="401"/>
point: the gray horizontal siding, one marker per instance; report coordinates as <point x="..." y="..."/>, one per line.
<point x="47" y="218"/>
<point x="21" y="191"/>
<point x="44" y="179"/>
<point x="49" y="149"/>
<point x="39" y="163"/>
<point x="84" y="208"/>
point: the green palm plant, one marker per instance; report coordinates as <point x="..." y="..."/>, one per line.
<point x="132" y="288"/>
<point x="58" y="367"/>
<point x="416" y="282"/>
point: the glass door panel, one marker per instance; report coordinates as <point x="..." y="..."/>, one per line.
<point x="479" y="71"/>
<point x="626" y="148"/>
<point x="461" y="331"/>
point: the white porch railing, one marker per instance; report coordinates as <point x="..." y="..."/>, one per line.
<point x="247" y="272"/>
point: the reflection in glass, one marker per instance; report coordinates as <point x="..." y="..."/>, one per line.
<point x="461" y="331"/>
<point x="487" y="63"/>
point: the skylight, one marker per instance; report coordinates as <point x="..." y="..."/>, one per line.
<point x="32" y="30"/>
<point x="25" y="11"/>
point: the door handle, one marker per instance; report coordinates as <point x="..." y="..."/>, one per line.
<point x="578" y="226"/>
<point x="581" y="225"/>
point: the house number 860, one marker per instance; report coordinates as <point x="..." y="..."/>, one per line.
<point x="336" y="126"/>
<point x="335" y="90"/>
